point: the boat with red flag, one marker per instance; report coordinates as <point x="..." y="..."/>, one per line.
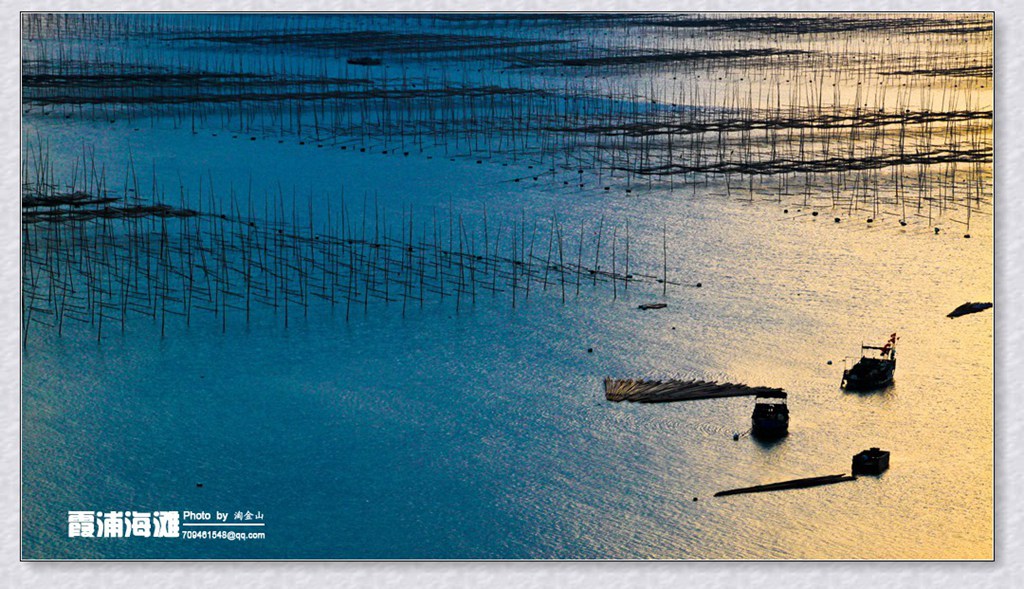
<point x="875" y="369"/>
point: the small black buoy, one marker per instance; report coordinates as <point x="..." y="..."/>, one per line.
<point x="785" y="211"/>
<point x="199" y="485"/>
<point x="967" y="235"/>
<point x="814" y="214"/>
<point x="871" y="220"/>
<point x="699" y="285"/>
<point x="903" y="223"/>
<point x="673" y="327"/>
<point x="694" y="498"/>
<point x="405" y="153"/>
<point x="735" y="437"/>
<point x="936" y="231"/>
<point x="607" y="187"/>
<point x="590" y="350"/>
<point x="829" y="363"/>
<point x="479" y="161"/>
<point x="252" y="139"/>
<point x="362" y="150"/>
<point x="302" y="142"/>
<point x="517" y="179"/>
<point x="836" y="219"/>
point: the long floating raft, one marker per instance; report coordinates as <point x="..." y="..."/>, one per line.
<point x="794" y="484"/>
<point x="656" y="391"/>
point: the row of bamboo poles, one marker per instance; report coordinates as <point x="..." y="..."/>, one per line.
<point x="94" y="262"/>
<point x="880" y="113"/>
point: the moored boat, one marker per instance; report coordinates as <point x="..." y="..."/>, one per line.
<point x="771" y="415"/>
<point x="875" y="369"/>
<point x="871" y="461"/>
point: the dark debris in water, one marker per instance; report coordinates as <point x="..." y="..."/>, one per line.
<point x="968" y="308"/>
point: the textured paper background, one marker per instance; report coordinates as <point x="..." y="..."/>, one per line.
<point x="1006" y="571"/>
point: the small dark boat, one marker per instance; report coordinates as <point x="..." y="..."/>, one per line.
<point x="968" y="308"/>
<point x="874" y="370"/>
<point x="647" y="306"/>
<point x="771" y="415"/>
<point x="873" y="461"/>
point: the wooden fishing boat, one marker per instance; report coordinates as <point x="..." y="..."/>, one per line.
<point x="875" y="369"/>
<point x="871" y="461"/>
<point x="771" y="415"/>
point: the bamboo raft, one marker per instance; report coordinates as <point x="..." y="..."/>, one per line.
<point x="656" y="391"/>
<point x="649" y="306"/>
<point x="794" y="484"/>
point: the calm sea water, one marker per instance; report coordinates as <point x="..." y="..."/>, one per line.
<point x="483" y="432"/>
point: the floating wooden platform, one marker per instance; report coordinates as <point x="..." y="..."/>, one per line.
<point x="656" y="391"/>
<point x="794" y="484"/>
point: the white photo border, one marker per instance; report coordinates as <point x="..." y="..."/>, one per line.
<point x="1009" y="345"/>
